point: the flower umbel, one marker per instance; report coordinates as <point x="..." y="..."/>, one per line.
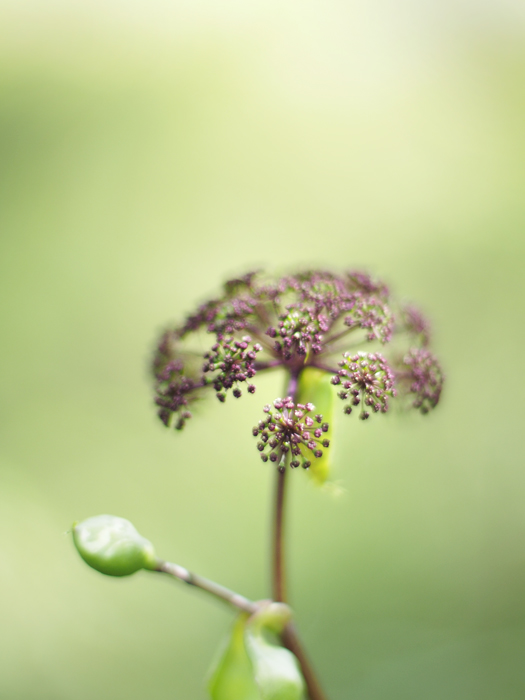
<point x="416" y="324"/>
<point x="288" y="432"/>
<point x="313" y="319"/>
<point x="367" y="381"/>
<point x="421" y="374"/>
<point x="234" y="361"/>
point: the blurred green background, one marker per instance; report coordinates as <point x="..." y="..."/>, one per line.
<point x="148" y="151"/>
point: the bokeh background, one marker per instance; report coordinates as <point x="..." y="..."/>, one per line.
<point x="148" y="151"/>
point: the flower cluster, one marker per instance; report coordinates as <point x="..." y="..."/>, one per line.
<point x="416" y="324"/>
<point x="298" y="331"/>
<point x="174" y="392"/>
<point x="176" y="384"/>
<point x="288" y="431"/>
<point x="235" y="363"/>
<point x="421" y="373"/>
<point x="314" y="318"/>
<point x="367" y="381"/>
<point x="371" y="314"/>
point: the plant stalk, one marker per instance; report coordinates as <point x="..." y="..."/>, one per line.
<point x="215" y="589"/>
<point x="279" y="578"/>
<point x="289" y="636"/>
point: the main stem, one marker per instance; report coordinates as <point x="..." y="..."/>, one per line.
<point x="289" y="636"/>
<point x="279" y="580"/>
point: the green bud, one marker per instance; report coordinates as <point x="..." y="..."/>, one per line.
<point x="271" y="617"/>
<point x="315" y="387"/>
<point x="112" y="546"/>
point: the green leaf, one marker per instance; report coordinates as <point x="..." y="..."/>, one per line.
<point x="253" y="668"/>
<point x="275" y="669"/>
<point x="233" y="677"/>
<point x="113" y="546"/>
<point x="315" y="387"/>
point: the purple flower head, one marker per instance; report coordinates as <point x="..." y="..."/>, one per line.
<point x="361" y="281"/>
<point x="229" y="363"/>
<point x="289" y="434"/>
<point x="310" y="319"/>
<point x="371" y="314"/>
<point x="421" y="377"/>
<point x="416" y="324"/>
<point x="175" y="385"/>
<point x="365" y="381"/>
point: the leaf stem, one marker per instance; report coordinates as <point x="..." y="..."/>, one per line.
<point x="235" y="599"/>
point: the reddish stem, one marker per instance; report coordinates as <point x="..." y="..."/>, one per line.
<point x="289" y="636"/>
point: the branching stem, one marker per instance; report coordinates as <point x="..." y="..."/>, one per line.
<point x="179" y="572"/>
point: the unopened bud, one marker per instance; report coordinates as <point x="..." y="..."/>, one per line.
<point x="113" y="546"/>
